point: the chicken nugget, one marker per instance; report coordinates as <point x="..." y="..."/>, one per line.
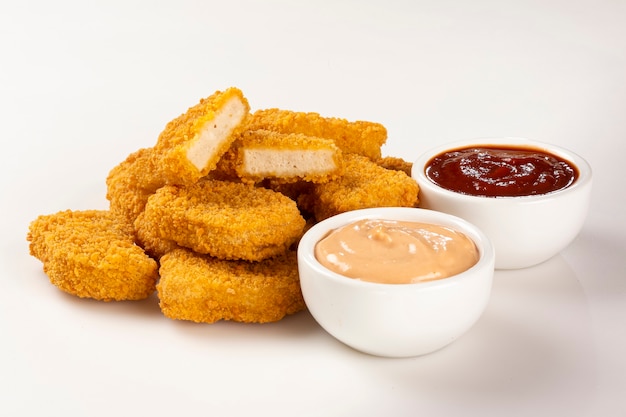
<point x="360" y="137"/>
<point x="91" y="254"/>
<point x="131" y="183"/>
<point x="288" y="157"/>
<point x="292" y="190"/>
<point x="204" y="289"/>
<point x="396" y="164"/>
<point x="146" y="236"/>
<point x="224" y="219"/>
<point x="191" y="145"/>
<point x="363" y="185"/>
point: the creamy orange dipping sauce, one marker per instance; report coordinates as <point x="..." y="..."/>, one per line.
<point x="396" y="252"/>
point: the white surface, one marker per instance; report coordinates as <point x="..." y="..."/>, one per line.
<point x="83" y="84"/>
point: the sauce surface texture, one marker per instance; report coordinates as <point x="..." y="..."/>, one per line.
<point x="396" y="252"/>
<point x="494" y="171"/>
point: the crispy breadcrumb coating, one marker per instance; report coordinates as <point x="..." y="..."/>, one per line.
<point x="146" y="236"/>
<point x="363" y="185"/>
<point x="360" y="137"/>
<point x="292" y="190"/>
<point x="225" y="219"/>
<point x="204" y="289"/>
<point x="288" y="156"/>
<point x="131" y="183"/>
<point x="220" y="204"/>
<point x="191" y="145"/>
<point x="395" y="164"/>
<point x="91" y="254"/>
<point x="262" y="154"/>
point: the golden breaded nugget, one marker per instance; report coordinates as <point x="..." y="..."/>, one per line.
<point x="363" y="185"/>
<point x="191" y="145"/>
<point x="395" y="164"/>
<point x="263" y="154"/>
<point x="360" y="137"/>
<point x="146" y="236"/>
<point x="220" y="203"/>
<point x="130" y="183"/>
<point x="204" y="289"/>
<point x="225" y="219"/>
<point x="91" y="254"/>
<point x="292" y="190"/>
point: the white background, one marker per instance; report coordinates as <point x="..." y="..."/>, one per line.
<point x="85" y="83"/>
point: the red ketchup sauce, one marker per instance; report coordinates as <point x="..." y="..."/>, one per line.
<point x="501" y="171"/>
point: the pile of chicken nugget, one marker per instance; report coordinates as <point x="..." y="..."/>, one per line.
<point x="211" y="215"/>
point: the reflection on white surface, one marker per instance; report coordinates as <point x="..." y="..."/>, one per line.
<point x="531" y="351"/>
<point x="532" y="346"/>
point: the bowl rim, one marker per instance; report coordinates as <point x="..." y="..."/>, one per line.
<point x="585" y="173"/>
<point x="308" y="241"/>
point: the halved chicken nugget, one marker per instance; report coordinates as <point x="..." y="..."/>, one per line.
<point x="258" y="155"/>
<point x="191" y="145"/>
<point x="360" y="137"/>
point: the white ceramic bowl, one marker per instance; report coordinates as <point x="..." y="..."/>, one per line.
<point x="525" y="231"/>
<point x="395" y="320"/>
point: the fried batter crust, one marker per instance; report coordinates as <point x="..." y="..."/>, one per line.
<point x="363" y="185"/>
<point x="395" y="164"/>
<point x="224" y="219"/>
<point x="360" y="137"/>
<point x="91" y="254"/>
<point x="257" y="155"/>
<point x="131" y="183"/>
<point x="198" y="124"/>
<point x="204" y="289"/>
<point x="146" y="236"/>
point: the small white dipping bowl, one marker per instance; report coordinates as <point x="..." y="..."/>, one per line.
<point x="527" y="230"/>
<point x="395" y="320"/>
